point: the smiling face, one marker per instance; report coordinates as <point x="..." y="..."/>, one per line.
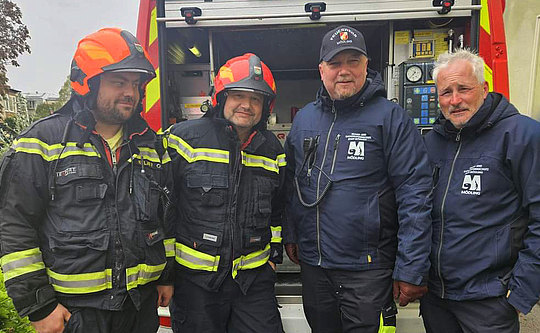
<point x="243" y="109"/>
<point x="460" y="93"/>
<point x="117" y="97"/>
<point x="345" y="74"/>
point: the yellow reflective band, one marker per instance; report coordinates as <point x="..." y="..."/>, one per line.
<point x="194" y="259"/>
<point x="488" y="75"/>
<point x="191" y="154"/>
<point x="385" y="329"/>
<point x="262" y="162"/>
<point x="149" y="154"/>
<point x="152" y="92"/>
<point x="252" y="260"/>
<point x="142" y="274"/>
<point x="152" y="33"/>
<point x="276" y="234"/>
<point x="21" y="262"/>
<point x="52" y="152"/>
<point x="281" y="160"/>
<point x="83" y="283"/>
<point x="169" y="247"/>
<point x="484" y="16"/>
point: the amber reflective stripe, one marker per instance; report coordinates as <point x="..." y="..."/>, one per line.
<point x="142" y="274"/>
<point x="82" y="283"/>
<point x="21" y="262"/>
<point x="191" y="258"/>
<point x="276" y="234"/>
<point x="385" y="329"/>
<point x="250" y="261"/>
<point x="266" y="163"/>
<point x="169" y="247"/>
<point x="52" y="152"/>
<point x="191" y="154"/>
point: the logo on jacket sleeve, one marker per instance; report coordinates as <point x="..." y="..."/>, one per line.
<point x="472" y="180"/>
<point x="356" y="149"/>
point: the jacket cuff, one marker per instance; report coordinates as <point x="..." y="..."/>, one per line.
<point x="412" y="278"/>
<point x="276" y="253"/>
<point x="43" y="312"/>
<point x="518" y="302"/>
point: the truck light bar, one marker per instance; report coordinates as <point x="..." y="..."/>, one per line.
<point x="191" y="20"/>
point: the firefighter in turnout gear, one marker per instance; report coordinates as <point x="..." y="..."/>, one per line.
<point x="85" y="243"/>
<point x="228" y="172"/>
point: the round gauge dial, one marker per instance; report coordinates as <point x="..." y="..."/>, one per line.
<point x="414" y="73"/>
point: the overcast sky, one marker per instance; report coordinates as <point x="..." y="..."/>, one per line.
<point x="55" y="27"/>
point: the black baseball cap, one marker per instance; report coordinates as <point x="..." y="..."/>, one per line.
<point x="340" y="39"/>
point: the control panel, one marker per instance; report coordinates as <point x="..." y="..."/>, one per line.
<point x="418" y="94"/>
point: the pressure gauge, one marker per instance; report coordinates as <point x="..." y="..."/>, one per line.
<point x="414" y="73"/>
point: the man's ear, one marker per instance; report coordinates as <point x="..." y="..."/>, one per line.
<point x="486" y="89"/>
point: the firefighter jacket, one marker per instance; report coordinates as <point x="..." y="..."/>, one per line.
<point x="361" y="195"/>
<point x="78" y="227"/>
<point x="486" y="206"/>
<point x="230" y="208"/>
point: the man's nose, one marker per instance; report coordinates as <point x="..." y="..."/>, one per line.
<point x="456" y="98"/>
<point x="131" y="90"/>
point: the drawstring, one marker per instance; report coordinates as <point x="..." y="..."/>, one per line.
<point x="52" y="187"/>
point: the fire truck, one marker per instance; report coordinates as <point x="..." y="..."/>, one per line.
<point x="188" y="41"/>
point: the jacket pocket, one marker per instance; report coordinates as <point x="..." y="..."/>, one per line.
<point x="146" y="199"/>
<point x="152" y="243"/>
<point x="201" y="238"/>
<point x="79" y="253"/>
<point x="209" y="194"/>
<point x="509" y="240"/>
<point x="262" y="203"/>
<point x="80" y="190"/>
<point x="255" y="238"/>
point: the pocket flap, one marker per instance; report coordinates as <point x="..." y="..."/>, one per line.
<point x="207" y="236"/>
<point x="72" y="172"/>
<point x="207" y="181"/>
<point x="90" y="191"/>
<point x="96" y="240"/>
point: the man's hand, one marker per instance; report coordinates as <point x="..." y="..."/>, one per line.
<point x="407" y="292"/>
<point x="164" y="295"/>
<point x="54" y="322"/>
<point x="272" y="265"/>
<point x="292" y="252"/>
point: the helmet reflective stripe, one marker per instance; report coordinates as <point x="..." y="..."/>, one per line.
<point x="143" y="274"/>
<point x="81" y="283"/>
<point x="276" y="234"/>
<point x="250" y="261"/>
<point x="194" y="259"/>
<point x="22" y="262"/>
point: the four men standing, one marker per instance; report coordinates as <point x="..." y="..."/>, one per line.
<point x="88" y="229"/>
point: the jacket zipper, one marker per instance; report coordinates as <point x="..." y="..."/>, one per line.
<point x="334" y="111"/>
<point x="336" y="145"/>
<point x="237" y="169"/>
<point x="458" y="139"/>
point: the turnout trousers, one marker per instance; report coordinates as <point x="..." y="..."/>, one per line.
<point x="490" y="315"/>
<point x="128" y="320"/>
<point x="197" y="310"/>
<point x="338" y="301"/>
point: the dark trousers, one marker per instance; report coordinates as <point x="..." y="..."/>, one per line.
<point x="129" y="320"/>
<point x="490" y="315"/>
<point x="196" y="310"/>
<point x="337" y="301"/>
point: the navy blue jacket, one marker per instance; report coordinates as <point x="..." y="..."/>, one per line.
<point x="376" y="211"/>
<point x="486" y="215"/>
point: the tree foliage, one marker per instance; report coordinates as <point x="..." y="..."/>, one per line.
<point x="10" y="322"/>
<point x="13" y="38"/>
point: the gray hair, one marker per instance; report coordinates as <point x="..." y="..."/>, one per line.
<point x="462" y="54"/>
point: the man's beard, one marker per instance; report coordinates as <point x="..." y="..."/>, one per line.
<point x="111" y="114"/>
